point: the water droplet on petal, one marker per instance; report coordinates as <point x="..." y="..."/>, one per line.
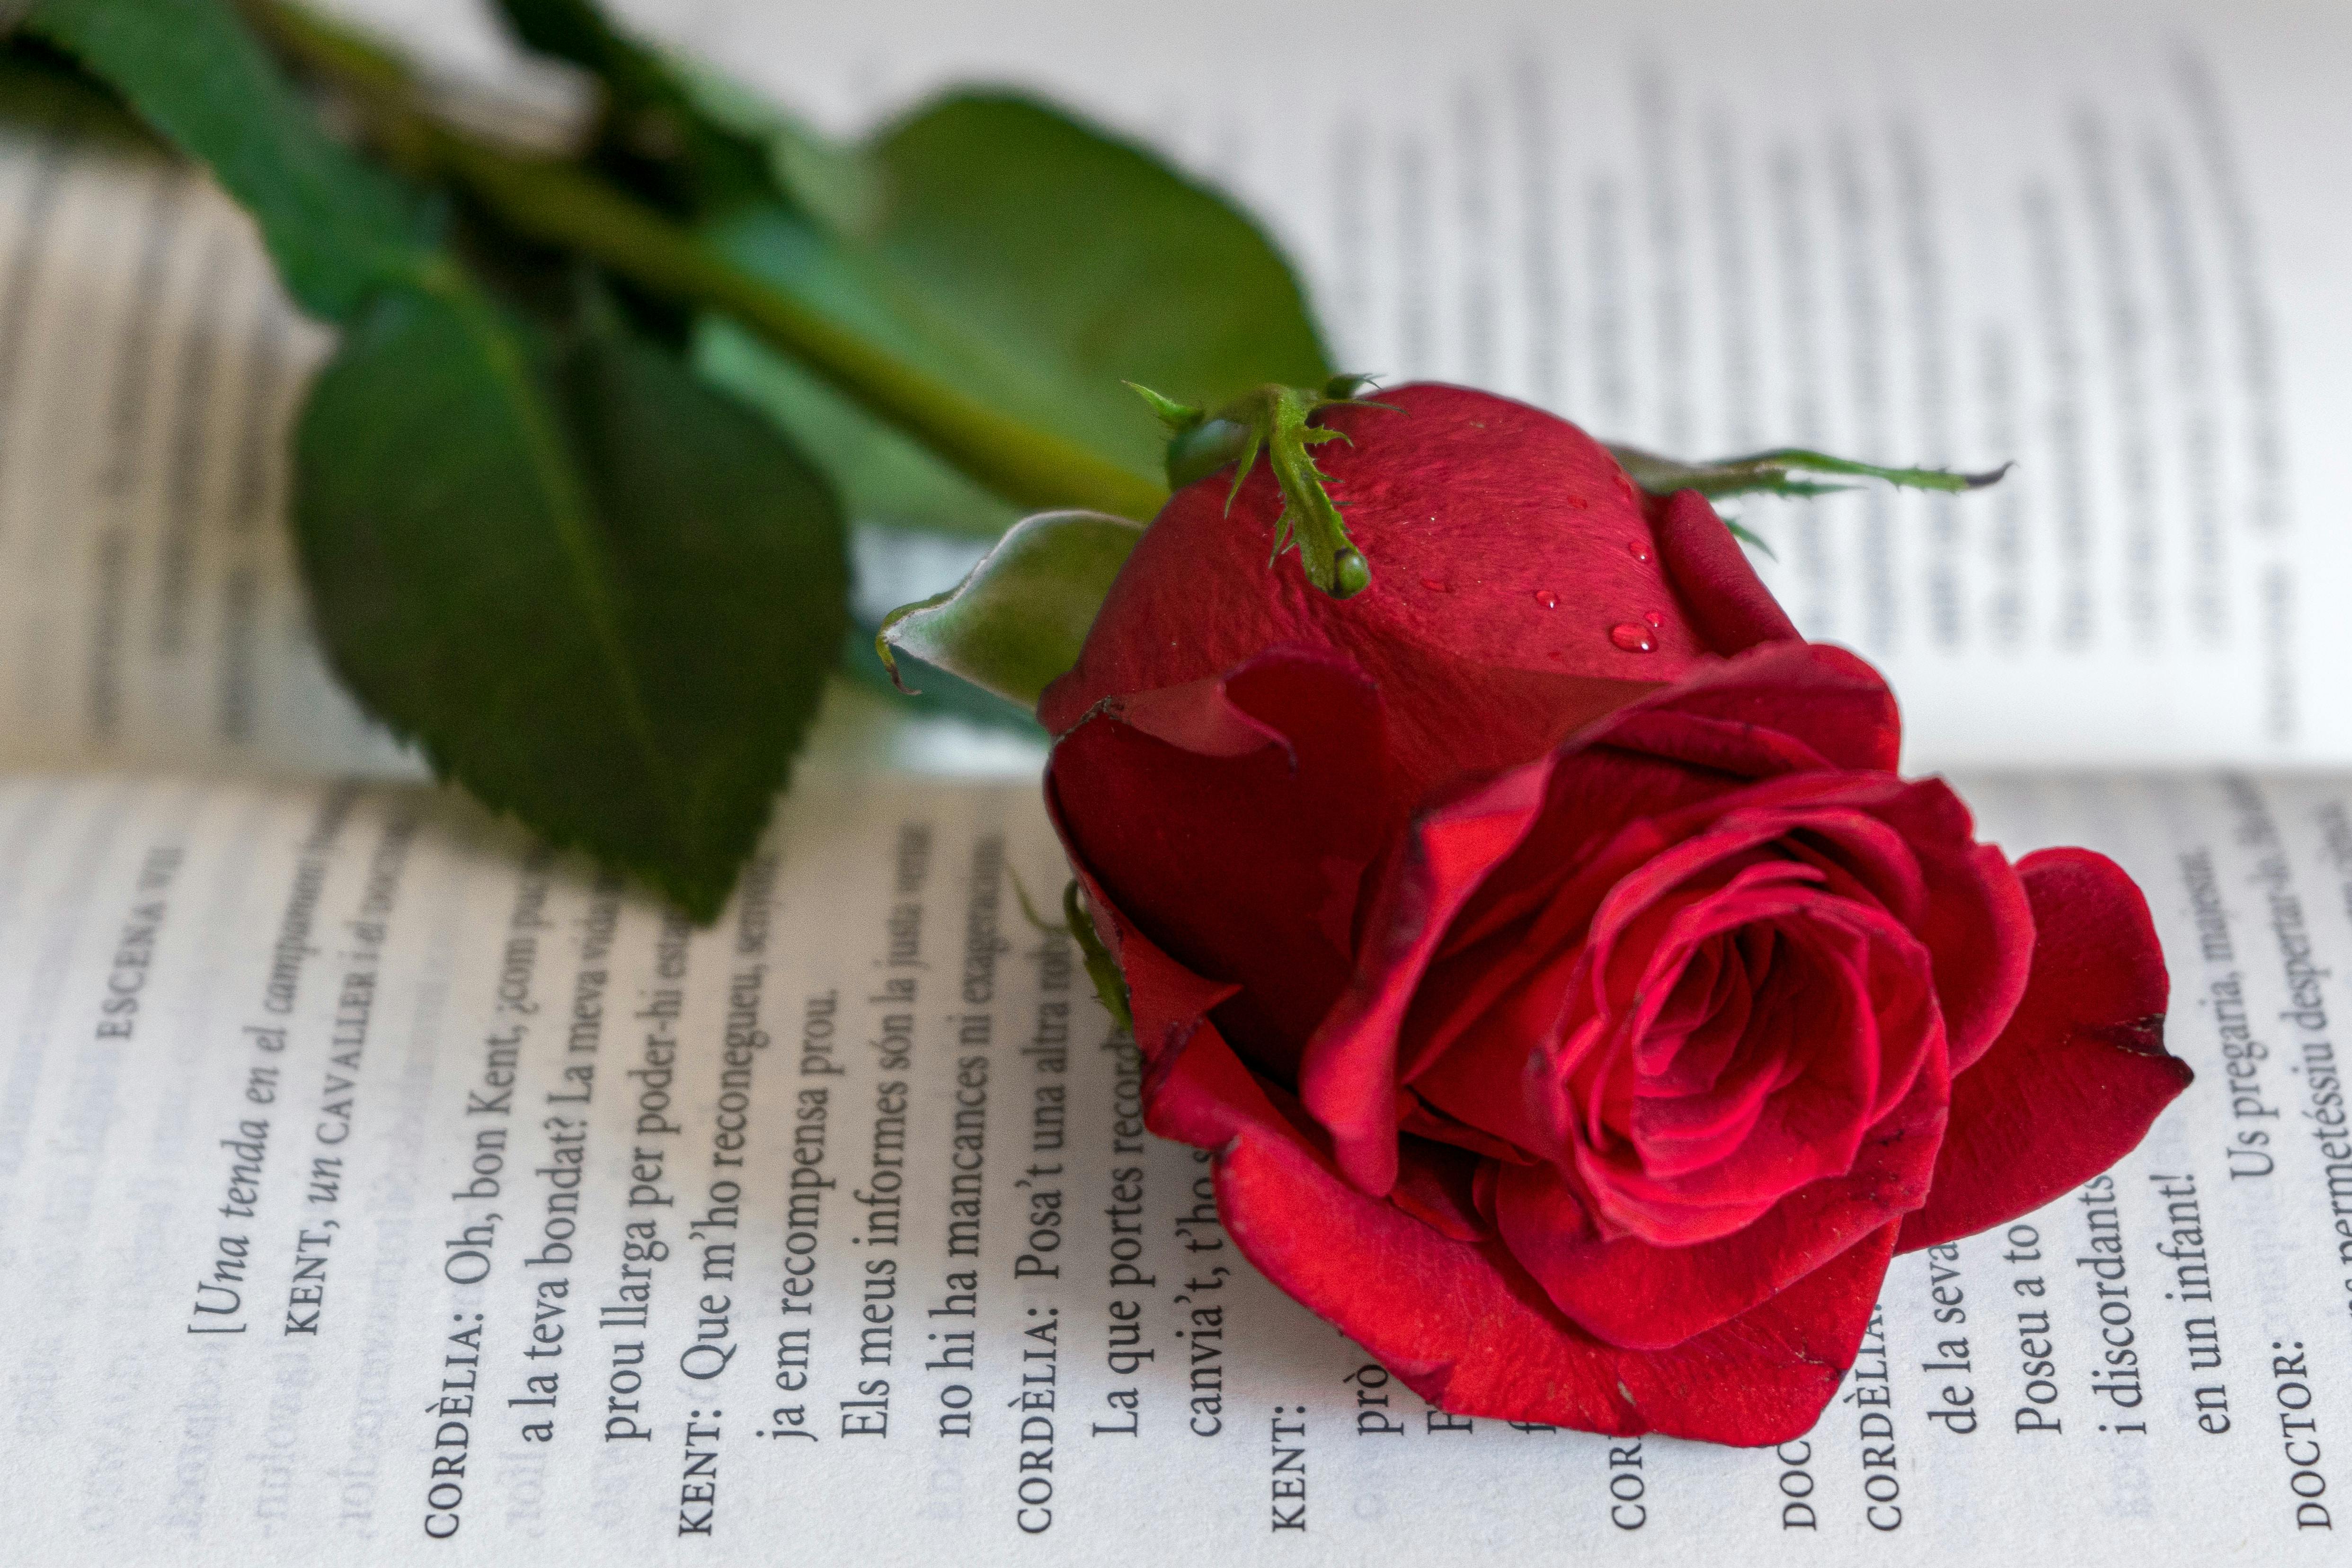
<point x="1632" y="638"/>
<point x="1638" y="550"/>
<point x="1436" y="585"/>
<point x="1653" y="617"/>
<point x="1548" y="598"/>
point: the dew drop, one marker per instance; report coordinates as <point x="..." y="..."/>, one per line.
<point x="1632" y="638"/>
<point x="1436" y="585"/>
<point x="1548" y="598"/>
<point x="1654" y="618"/>
<point x="1638" y="550"/>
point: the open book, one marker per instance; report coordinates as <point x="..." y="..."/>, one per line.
<point x="374" y="1186"/>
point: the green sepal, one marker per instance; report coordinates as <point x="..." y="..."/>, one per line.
<point x="1022" y="614"/>
<point x="1103" y="970"/>
<point x="1277" y="421"/>
<point x="1780" y="472"/>
<point x="1180" y="418"/>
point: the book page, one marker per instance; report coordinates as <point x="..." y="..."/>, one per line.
<point x="150" y="370"/>
<point x="378" y="1189"/>
<point x="2081" y="238"/>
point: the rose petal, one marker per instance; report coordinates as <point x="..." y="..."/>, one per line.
<point x="1436" y="1184"/>
<point x="1729" y="607"/>
<point x="1665" y="755"/>
<point x="1779" y="707"/>
<point x="1167" y="1001"/>
<point x="1466" y="1329"/>
<point x="1642" y="1296"/>
<point x="1242" y="861"/>
<point x="1977" y="922"/>
<point x="1349" y="1074"/>
<point x="2080" y="1073"/>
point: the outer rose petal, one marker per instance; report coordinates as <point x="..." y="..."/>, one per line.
<point x="1233" y="819"/>
<point x="2075" y="1079"/>
<point x="1976" y="924"/>
<point x="1780" y="708"/>
<point x="1349" y="1074"/>
<point x="1464" y="1327"/>
<point x="1730" y="608"/>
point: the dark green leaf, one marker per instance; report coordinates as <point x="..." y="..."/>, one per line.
<point x="707" y="150"/>
<point x="1020" y="619"/>
<point x="337" y="228"/>
<point x="708" y="144"/>
<point x="601" y="595"/>
<point x="1083" y="262"/>
<point x="832" y="182"/>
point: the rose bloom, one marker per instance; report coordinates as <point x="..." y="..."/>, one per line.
<point x="1581" y="1009"/>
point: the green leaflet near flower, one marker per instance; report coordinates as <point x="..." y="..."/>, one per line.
<point x="1019" y="618"/>
<point x="1780" y="471"/>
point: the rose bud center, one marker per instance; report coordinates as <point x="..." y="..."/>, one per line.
<point x="1742" y="1008"/>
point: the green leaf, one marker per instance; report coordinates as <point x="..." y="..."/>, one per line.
<point x="1020" y="619"/>
<point x="886" y="476"/>
<point x="337" y="228"/>
<point x="832" y="182"/>
<point x="708" y="143"/>
<point x="600" y="594"/>
<point x="1032" y="261"/>
<point x="1083" y="261"/>
<point x="708" y="150"/>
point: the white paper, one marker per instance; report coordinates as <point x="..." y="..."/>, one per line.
<point x="149" y="368"/>
<point x="463" y="1054"/>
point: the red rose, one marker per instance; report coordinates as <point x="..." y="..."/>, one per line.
<point x="1581" y="1029"/>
